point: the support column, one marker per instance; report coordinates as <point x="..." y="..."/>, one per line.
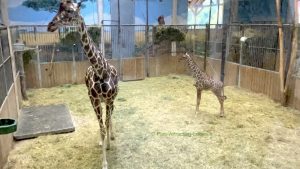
<point x="174" y="13"/>
<point x="100" y="10"/>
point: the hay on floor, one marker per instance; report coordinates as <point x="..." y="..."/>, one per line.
<point x="155" y="127"/>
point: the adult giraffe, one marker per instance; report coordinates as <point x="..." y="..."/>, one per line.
<point x="101" y="77"/>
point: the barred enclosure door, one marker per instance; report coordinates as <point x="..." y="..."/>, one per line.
<point x="126" y="49"/>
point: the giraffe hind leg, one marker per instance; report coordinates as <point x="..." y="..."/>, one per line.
<point x="221" y="99"/>
<point x="198" y="101"/>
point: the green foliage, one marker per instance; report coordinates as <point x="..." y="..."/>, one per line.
<point x="27" y="56"/>
<point x="74" y="38"/>
<point x="45" y="5"/>
<point x="70" y="39"/>
<point x="169" y="34"/>
<point x="95" y="33"/>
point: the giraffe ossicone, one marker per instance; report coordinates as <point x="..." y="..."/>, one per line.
<point x="101" y="78"/>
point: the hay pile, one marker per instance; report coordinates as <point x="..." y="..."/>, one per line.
<point x="155" y="128"/>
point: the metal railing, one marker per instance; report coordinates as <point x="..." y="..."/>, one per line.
<point x="260" y="49"/>
<point x="6" y="74"/>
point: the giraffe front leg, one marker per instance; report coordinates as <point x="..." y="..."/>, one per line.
<point x="198" y="101"/>
<point x="98" y="110"/>
<point x="103" y="142"/>
<point x="101" y="125"/>
<point x="103" y="139"/>
<point x="112" y="135"/>
<point x="221" y="100"/>
<point x="109" y="109"/>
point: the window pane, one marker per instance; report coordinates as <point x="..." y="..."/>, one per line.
<point x="214" y="15"/>
<point x="221" y="8"/>
<point x="5" y="44"/>
<point x="8" y="73"/>
<point x="2" y="85"/>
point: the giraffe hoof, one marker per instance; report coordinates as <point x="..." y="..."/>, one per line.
<point x="108" y="147"/>
<point x="112" y="137"/>
<point x="104" y="165"/>
<point x="222" y="115"/>
<point x="196" y="113"/>
<point x="100" y="143"/>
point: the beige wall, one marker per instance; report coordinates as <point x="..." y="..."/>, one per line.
<point x="254" y="79"/>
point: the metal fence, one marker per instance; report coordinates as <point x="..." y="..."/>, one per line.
<point x="260" y="49"/>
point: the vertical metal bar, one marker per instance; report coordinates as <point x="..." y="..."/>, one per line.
<point x="209" y="16"/>
<point x="224" y="40"/>
<point x="206" y="50"/>
<point x="194" y="40"/>
<point x="241" y="56"/>
<point x="147" y="39"/>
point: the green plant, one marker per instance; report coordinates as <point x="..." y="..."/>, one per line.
<point x="74" y="38"/>
<point x="27" y="56"/>
<point x="70" y="39"/>
<point x="95" y="33"/>
<point x="169" y="34"/>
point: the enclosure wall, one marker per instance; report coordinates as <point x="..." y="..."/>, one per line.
<point x="254" y="79"/>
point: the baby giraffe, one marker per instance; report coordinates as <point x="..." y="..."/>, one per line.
<point x="205" y="82"/>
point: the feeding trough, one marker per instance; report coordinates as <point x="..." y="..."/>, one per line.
<point x="7" y="126"/>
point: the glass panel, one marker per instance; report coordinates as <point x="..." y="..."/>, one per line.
<point x="8" y="73"/>
<point x="2" y="85"/>
<point x="214" y="15"/>
<point x="5" y="44"/>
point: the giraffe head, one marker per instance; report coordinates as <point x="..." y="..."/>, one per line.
<point x="185" y="56"/>
<point x="67" y="14"/>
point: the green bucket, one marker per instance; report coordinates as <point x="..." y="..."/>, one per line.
<point x="7" y="126"/>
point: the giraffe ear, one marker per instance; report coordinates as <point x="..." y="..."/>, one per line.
<point x="80" y="3"/>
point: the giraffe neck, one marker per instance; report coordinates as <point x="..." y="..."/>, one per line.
<point x="194" y="67"/>
<point x="97" y="60"/>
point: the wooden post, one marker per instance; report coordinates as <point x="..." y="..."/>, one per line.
<point x="281" y="49"/>
<point x="19" y="59"/>
<point x="73" y="66"/>
<point x="293" y="56"/>
<point x="242" y="42"/>
<point x="39" y="75"/>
